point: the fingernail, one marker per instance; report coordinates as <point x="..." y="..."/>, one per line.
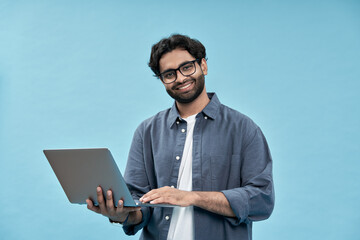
<point x="120" y="203"/>
<point x="109" y="193"/>
<point x="98" y="189"/>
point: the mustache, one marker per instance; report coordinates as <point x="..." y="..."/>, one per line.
<point x="183" y="83"/>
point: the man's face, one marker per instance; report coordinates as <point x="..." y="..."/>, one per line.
<point x="184" y="89"/>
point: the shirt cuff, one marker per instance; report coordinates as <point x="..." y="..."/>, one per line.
<point x="239" y="203"/>
<point x="133" y="229"/>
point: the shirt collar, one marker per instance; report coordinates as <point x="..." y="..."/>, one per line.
<point x="210" y="110"/>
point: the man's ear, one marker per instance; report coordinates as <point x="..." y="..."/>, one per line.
<point x="203" y="65"/>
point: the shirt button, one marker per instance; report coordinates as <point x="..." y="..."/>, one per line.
<point x="177" y="122"/>
<point x="183" y="130"/>
<point x="167" y="218"/>
<point x="177" y="158"/>
<point x="206" y="117"/>
<point x="172" y="186"/>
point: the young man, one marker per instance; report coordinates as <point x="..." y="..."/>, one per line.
<point x="209" y="159"/>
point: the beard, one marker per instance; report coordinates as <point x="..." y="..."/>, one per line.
<point x="188" y="97"/>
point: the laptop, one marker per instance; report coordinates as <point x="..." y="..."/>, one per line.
<point x="81" y="171"/>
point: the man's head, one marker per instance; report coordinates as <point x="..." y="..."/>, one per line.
<point x="165" y="45"/>
<point x="179" y="62"/>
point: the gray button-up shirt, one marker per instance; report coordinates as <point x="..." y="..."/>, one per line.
<point x="230" y="154"/>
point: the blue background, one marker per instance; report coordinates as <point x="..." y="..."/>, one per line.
<point x="74" y="74"/>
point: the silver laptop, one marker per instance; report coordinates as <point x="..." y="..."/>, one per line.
<point x="81" y="171"/>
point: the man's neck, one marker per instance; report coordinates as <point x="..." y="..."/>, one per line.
<point x="194" y="107"/>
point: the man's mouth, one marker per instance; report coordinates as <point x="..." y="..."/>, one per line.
<point x="184" y="85"/>
<point x="187" y="85"/>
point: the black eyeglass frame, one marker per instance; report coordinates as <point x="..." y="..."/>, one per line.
<point x="178" y="69"/>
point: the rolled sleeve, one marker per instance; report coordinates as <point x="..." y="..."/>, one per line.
<point x="133" y="229"/>
<point x="254" y="200"/>
<point x="238" y="199"/>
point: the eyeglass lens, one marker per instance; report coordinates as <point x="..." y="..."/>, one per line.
<point x="186" y="70"/>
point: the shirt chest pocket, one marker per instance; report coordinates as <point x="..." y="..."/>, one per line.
<point x="225" y="172"/>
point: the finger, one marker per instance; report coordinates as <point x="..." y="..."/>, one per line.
<point x="148" y="195"/>
<point x="166" y="195"/>
<point x="110" y="202"/>
<point x="100" y="198"/>
<point x="120" y="212"/>
<point x="91" y="206"/>
<point x="158" y="191"/>
<point x="169" y="199"/>
<point x="123" y="212"/>
<point x="122" y="209"/>
<point x="144" y="196"/>
<point x="155" y="196"/>
<point x="148" y="198"/>
<point x="176" y="197"/>
<point x="160" y="200"/>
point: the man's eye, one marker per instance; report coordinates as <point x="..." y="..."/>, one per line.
<point x="169" y="75"/>
<point x="187" y="67"/>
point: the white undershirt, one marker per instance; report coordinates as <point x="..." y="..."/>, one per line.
<point x="182" y="221"/>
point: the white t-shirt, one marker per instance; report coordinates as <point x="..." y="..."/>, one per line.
<point x="182" y="221"/>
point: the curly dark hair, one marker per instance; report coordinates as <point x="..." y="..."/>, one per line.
<point x="175" y="41"/>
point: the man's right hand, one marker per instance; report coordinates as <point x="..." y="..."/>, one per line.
<point x="116" y="214"/>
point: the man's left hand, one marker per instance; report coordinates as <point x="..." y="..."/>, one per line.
<point x="168" y="195"/>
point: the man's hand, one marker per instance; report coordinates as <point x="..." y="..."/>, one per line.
<point x="116" y="214"/>
<point x="215" y="202"/>
<point x="169" y="195"/>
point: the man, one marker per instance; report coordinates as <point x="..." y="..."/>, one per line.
<point x="209" y="159"/>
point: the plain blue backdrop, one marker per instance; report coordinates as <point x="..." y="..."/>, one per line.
<point x="74" y="74"/>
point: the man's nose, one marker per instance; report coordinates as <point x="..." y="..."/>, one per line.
<point x="179" y="76"/>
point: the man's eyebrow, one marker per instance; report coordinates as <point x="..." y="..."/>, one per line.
<point x="171" y="69"/>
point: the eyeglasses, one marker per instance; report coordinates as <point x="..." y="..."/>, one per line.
<point x="186" y="69"/>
